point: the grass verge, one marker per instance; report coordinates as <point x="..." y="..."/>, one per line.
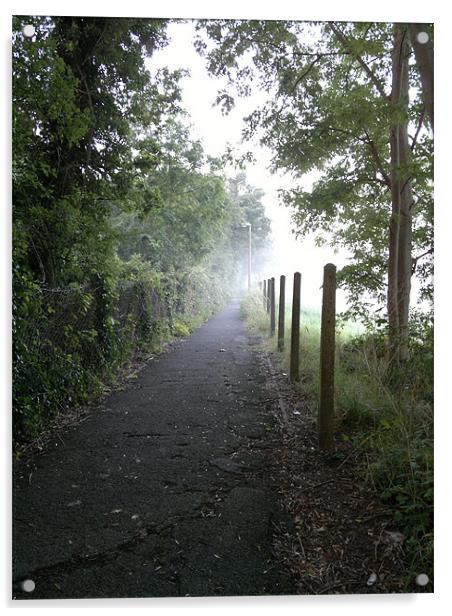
<point x="390" y="428"/>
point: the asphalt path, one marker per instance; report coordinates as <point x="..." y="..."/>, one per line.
<point x="169" y="488"/>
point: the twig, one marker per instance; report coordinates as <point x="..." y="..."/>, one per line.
<point x="319" y="485"/>
<point x="376" y="515"/>
<point x="378" y="160"/>
<point x="416" y="259"/>
<point x="354" y="450"/>
<point x="301" y="545"/>
<point x="306" y="72"/>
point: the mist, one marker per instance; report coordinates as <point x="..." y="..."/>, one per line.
<point x="285" y="254"/>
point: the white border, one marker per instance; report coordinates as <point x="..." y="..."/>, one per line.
<point x="384" y="10"/>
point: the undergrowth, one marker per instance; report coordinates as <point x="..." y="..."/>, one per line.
<point x="70" y="342"/>
<point x="389" y="426"/>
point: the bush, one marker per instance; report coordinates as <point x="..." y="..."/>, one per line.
<point x="69" y="340"/>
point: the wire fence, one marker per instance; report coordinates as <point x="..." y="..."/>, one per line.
<point x="69" y="338"/>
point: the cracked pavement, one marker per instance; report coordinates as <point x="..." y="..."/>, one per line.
<point x="167" y="489"/>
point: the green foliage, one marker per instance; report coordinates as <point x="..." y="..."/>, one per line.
<point x="73" y="135"/>
<point x="124" y="230"/>
<point x="193" y="215"/>
<point x="324" y="113"/>
<point x="253" y="312"/>
<point x="389" y="424"/>
<point x="180" y="329"/>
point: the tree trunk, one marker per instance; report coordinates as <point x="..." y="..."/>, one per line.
<point x="393" y="314"/>
<point x="424" y="60"/>
<point x="406" y="202"/>
<point x="399" y="263"/>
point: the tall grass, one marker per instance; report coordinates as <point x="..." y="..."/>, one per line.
<point x="390" y="425"/>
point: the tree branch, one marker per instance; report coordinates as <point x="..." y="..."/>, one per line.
<point x="424" y="59"/>
<point x="343" y="39"/>
<point x="320" y="53"/>
<point x="367" y="141"/>
<point x="414" y="260"/>
<point x="372" y="180"/>
<point x="342" y="131"/>
<point x="378" y="161"/>
<point x="306" y="72"/>
<point x="91" y="106"/>
<point x="418" y="129"/>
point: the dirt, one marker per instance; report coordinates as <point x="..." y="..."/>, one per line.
<point x="344" y="539"/>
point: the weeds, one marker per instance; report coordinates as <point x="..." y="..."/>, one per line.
<point x="391" y="426"/>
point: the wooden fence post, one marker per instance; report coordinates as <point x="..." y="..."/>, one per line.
<point x="264" y="294"/>
<point x="272" y="308"/>
<point x="327" y="351"/>
<point x="269" y="282"/>
<point x="281" y="312"/>
<point x="295" y="330"/>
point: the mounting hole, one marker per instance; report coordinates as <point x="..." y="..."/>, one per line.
<point x="422" y="37"/>
<point x="28" y="585"/>
<point x="29" y="30"/>
<point x="422" y="579"/>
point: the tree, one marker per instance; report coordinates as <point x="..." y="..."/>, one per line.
<point x="192" y="213"/>
<point x="72" y="135"/>
<point x="80" y="93"/>
<point x="247" y="203"/>
<point x="338" y="102"/>
<point x="200" y="212"/>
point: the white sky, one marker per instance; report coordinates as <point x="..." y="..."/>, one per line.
<point x="216" y="131"/>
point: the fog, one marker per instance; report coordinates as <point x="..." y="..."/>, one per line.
<point x="286" y="254"/>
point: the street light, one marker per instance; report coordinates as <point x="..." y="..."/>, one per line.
<point x="248" y="225"/>
<point x="249" y="256"/>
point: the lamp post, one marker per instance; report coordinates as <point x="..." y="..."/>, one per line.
<point x="249" y="255"/>
<point x="248" y="226"/>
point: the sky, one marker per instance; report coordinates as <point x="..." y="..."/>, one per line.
<point x="216" y="131"/>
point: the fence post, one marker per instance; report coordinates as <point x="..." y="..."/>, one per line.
<point x="327" y="351"/>
<point x="272" y="308"/>
<point x="269" y="282"/>
<point x="281" y="312"/>
<point x="264" y="294"/>
<point x="295" y="330"/>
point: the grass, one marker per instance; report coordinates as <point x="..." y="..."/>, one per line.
<point x="391" y="427"/>
<point x="252" y="310"/>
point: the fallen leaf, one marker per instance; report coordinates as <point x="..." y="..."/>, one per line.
<point x="74" y="503"/>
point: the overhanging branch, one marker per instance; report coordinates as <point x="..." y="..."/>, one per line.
<point x="416" y="259"/>
<point x="369" y="72"/>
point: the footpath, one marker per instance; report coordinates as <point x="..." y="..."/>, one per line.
<point x="166" y="489"/>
